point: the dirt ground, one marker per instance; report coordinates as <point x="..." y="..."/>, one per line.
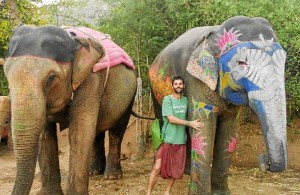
<point x="245" y="178"/>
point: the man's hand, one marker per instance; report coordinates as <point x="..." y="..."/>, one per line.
<point x="196" y="124"/>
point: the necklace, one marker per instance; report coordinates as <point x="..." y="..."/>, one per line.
<point x="177" y="97"/>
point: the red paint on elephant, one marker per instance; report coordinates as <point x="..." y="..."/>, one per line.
<point x="227" y="40"/>
<point x="5" y="132"/>
<point x="198" y="144"/>
<point x="232" y="145"/>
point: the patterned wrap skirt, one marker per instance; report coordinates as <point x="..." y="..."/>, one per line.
<point x="172" y="160"/>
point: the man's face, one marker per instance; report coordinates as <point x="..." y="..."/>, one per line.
<point x="178" y="86"/>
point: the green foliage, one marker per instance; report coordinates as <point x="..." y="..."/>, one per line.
<point x="3" y="84"/>
<point x="61" y="12"/>
<point x="145" y="27"/>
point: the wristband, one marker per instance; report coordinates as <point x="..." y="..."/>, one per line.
<point x="187" y="123"/>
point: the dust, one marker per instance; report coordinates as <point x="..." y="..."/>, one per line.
<point x="245" y="178"/>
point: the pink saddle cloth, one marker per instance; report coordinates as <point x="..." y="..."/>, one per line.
<point x="114" y="54"/>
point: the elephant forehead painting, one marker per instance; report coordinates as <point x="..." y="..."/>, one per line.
<point x="238" y="63"/>
<point x="76" y="77"/>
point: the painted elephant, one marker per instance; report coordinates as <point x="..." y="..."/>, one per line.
<point x="235" y="64"/>
<point x="49" y="71"/>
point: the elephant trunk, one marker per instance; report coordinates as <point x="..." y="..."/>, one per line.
<point x="276" y="139"/>
<point x="272" y="115"/>
<point x="28" y="120"/>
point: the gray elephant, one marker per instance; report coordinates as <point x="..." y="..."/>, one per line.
<point x="235" y="64"/>
<point x="49" y="71"/>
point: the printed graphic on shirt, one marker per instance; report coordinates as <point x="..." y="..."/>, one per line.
<point x="179" y="109"/>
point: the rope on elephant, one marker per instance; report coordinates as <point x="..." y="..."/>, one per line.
<point x="138" y="97"/>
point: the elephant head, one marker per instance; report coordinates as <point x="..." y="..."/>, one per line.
<point x="243" y="61"/>
<point x="44" y="66"/>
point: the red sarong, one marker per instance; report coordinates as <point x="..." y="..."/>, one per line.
<point x="172" y="160"/>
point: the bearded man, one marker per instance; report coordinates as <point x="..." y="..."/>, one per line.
<point x="170" y="156"/>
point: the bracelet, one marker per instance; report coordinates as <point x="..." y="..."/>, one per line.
<point x="187" y="123"/>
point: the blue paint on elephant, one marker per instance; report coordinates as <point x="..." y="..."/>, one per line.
<point x="248" y="85"/>
<point x="275" y="47"/>
<point x="226" y="57"/>
<point x="208" y="107"/>
<point x="259" y="109"/>
<point x="239" y="98"/>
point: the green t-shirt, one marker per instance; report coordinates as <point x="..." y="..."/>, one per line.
<point x="173" y="133"/>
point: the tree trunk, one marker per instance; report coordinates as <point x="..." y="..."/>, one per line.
<point x="14" y="12"/>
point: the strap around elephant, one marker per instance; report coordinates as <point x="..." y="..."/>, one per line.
<point x="163" y="131"/>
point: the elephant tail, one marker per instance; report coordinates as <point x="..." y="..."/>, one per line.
<point x="139" y="116"/>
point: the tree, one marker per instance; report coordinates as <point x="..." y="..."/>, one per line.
<point x="67" y="12"/>
<point x="145" y="27"/>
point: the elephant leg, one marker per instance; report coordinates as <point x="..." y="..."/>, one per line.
<point x="225" y="142"/>
<point x="49" y="162"/>
<point x="187" y="168"/>
<point x="201" y="154"/>
<point x="113" y="166"/>
<point x="98" y="161"/>
<point x="82" y="132"/>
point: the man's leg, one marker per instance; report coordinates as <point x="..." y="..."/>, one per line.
<point x="153" y="176"/>
<point x="170" y="183"/>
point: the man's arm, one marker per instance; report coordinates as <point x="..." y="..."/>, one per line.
<point x="196" y="124"/>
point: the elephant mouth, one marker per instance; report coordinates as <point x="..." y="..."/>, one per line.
<point x="58" y="107"/>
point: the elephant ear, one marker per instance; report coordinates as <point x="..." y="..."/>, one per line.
<point x="86" y="57"/>
<point x="202" y="63"/>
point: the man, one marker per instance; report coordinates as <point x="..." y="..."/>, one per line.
<point x="170" y="156"/>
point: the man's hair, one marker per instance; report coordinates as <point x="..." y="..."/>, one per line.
<point x="174" y="78"/>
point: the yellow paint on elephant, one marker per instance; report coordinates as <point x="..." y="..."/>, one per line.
<point x="161" y="84"/>
<point x="201" y="105"/>
<point x="227" y="81"/>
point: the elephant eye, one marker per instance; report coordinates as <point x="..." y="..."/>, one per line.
<point x="49" y="82"/>
<point x="50" y="79"/>
<point x="242" y="63"/>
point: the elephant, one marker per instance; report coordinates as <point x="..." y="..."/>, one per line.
<point x="226" y="67"/>
<point x="4" y="116"/>
<point x="51" y="78"/>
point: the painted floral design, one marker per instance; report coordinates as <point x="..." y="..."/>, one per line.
<point x="161" y="83"/>
<point x="197" y="146"/>
<point x="227" y="39"/>
<point x="201" y="106"/>
<point x="226" y="81"/>
<point x="232" y="145"/>
<point x="201" y="65"/>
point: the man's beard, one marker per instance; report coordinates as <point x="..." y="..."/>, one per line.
<point x="178" y="90"/>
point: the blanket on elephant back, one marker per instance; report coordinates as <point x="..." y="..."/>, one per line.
<point x="114" y="54"/>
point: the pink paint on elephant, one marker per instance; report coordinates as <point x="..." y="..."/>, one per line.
<point x="198" y="144"/>
<point x="232" y="145"/>
<point x="114" y="54"/>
